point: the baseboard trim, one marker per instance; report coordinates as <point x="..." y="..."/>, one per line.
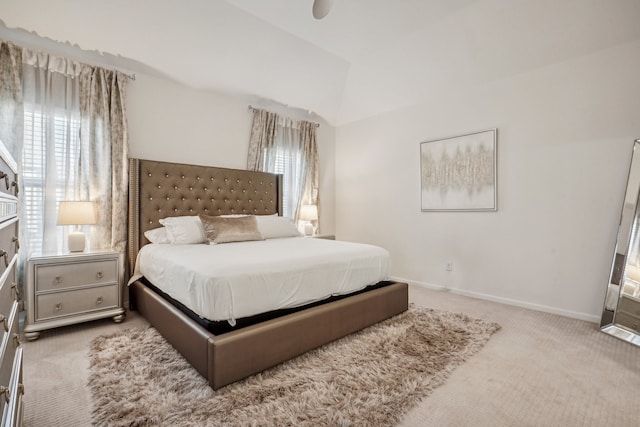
<point x="507" y="301"/>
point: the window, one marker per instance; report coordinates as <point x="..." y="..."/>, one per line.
<point x="39" y="161"/>
<point x="286" y="163"/>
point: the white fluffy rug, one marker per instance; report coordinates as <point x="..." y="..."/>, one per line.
<point x="370" y="378"/>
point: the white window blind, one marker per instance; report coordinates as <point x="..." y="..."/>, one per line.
<point x="40" y="161"/>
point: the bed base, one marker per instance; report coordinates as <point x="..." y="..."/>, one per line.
<point x="226" y="358"/>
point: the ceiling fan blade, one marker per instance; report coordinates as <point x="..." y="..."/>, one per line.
<point x="321" y="8"/>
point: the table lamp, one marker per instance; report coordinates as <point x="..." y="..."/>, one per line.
<point x="76" y="213"/>
<point x="308" y="213"/>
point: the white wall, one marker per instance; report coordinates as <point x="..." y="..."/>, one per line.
<point x="565" y="134"/>
<point x="172" y="122"/>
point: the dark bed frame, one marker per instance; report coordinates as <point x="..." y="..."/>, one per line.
<point x="160" y="189"/>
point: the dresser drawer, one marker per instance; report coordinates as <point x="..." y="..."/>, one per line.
<point x="8" y="179"/>
<point x="9" y="345"/>
<point x="63" y="276"/>
<point x="75" y="302"/>
<point x="8" y="292"/>
<point x="13" y="410"/>
<point x="8" y="243"/>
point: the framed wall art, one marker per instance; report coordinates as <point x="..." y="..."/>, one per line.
<point x="459" y="173"/>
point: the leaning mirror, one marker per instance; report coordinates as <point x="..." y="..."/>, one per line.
<point x="621" y="313"/>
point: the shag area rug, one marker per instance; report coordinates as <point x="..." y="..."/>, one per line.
<point x="370" y="378"/>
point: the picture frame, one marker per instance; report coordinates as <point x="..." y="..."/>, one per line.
<point x="459" y="173"/>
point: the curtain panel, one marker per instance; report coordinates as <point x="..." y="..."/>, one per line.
<point x="11" y="111"/>
<point x="104" y="146"/>
<point x="263" y="132"/>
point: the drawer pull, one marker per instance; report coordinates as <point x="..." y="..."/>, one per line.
<point x="16" y="291"/>
<point x="16" y="339"/>
<point x="15" y="184"/>
<point x="4" y="254"/>
<point x="7" y="394"/>
<point x="99" y="300"/>
<point x="58" y="306"/>
<point x="17" y="242"/>
<point x="99" y="274"/>
<point x="5" y="322"/>
<point x="58" y="280"/>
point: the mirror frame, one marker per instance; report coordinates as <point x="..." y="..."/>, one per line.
<point x="626" y="235"/>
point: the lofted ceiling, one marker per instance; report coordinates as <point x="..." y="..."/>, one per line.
<point x="365" y="58"/>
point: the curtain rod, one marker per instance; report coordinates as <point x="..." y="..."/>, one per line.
<point x="254" y="109"/>
<point x="67" y="57"/>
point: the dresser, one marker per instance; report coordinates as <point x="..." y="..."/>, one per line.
<point x="11" y="386"/>
<point x="68" y="288"/>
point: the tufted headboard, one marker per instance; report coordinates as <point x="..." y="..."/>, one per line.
<point x="160" y="189"/>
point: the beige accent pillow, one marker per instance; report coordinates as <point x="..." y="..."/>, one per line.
<point x="226" y="230"/>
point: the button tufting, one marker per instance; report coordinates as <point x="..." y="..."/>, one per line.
<point x="149" y="174"/>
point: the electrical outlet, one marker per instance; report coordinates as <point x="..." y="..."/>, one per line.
<point x="449" y="266"/>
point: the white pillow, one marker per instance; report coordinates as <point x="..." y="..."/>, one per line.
<point x="274" y="226"/>
<point x="184" y="230"/>
<point x="157" y="235"/>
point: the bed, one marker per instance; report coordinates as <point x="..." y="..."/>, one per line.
<point x="248" y="344"/>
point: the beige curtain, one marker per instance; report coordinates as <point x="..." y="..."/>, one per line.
<point x="288" y="147"/>
<point x="103" y="153"/>
<point x="263" y="132"/>
<point x="310" y="194"/>
<point x="11" y="109"/>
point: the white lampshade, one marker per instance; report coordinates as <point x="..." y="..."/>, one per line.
<point x="76" y="213"/>
<point x="308" y="213"/>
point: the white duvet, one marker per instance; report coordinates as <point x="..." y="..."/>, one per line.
<point x="234" y="280"/>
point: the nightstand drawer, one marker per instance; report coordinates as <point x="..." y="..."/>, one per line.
<point x="64" y="276"/>
<point x="76" y="302"/>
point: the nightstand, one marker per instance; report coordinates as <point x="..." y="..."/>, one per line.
<point x="63" y="289"/>
<point x="324" y="236"/>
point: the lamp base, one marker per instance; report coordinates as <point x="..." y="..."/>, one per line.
<point x="76" y="241"/>
<point x="308" y="229"/>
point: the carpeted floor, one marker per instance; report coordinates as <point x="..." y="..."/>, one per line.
<point x="539" y="370"/>
<point x="369" y="378"/>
